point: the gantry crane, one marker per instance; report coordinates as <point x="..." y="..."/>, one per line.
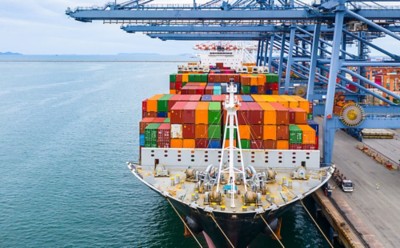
<point x="312" y="41"/>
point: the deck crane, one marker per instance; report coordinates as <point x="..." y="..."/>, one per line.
<point x="313" y="43"/>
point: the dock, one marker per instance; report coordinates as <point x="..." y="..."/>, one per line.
<point x="369" y="216"/>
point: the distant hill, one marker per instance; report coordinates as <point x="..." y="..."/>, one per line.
<point x="9" y="53"/>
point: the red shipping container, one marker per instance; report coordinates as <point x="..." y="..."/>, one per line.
<point x="164" y="135"/>
<point x="144" y="122"/>
<point x="149" y="114"/>
<point x="269" y="144"/>
<point x="242" y="114"/>
<point x="282" y="113"/>
<point x="295" y="146"/>
<point x="274" y="86"/>
<point x="309" y="147"/>
<point x="173" y="100"/>
<point x="177" y="113"/>
<point x="211" y="78"/>
<point x="209" y="90"/>
<point x="282" y="132"/>
<point x="188" y="131"/>
<point x="255" y="114"/>
<point x="144" y="105"/>
<point x="256" y="144"/>
<point x="201" y="143"/>
<point x="178" y="78"/>
<point x="261" y="89"/>
<point x="172" y="86"/>
<point x="178" y="85"/>
<point x="316" y="142"/>
<point x="256" y="132"/>
<point x="189" y="113"/>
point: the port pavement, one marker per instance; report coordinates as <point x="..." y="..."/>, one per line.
<point x="374" y="206"/>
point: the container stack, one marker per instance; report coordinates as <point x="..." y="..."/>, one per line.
<point x="192" y="115"/>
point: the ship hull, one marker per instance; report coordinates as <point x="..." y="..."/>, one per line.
<point x="241" y="228"/>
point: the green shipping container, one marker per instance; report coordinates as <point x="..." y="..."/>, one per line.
<point x="203" y="78"/>
<point x="295" y="134"/>
<point x="246" y="89"/>
<point x="227" y="133"/>
<point x="150" y="135"/>
<point x="162" y="103"/>
<point x="172" y="78"/>
<point x="167" y="120"/>
<point x="272" y="78"/>
<point x="192" y="77"/>
<point x="214" y="113"/>
<point x="214" y="132"/>
<point x="245" y="144"/>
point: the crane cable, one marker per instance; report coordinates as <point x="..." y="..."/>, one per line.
<point x="184" y="223"/>
<point x="222" y="231"/>
<point x="323" y="234"/>
<point x="272" y="231"/>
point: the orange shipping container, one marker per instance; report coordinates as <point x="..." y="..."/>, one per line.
<point x="176" y="143"/>
<point x="308" y="134"/>
<point x="269" y="113"/>
<point x="261" y="79"/>
<point x="244" y="131"/>
<point x="202" y="113"/>
<point x="188" y="143"/>
<point x="269" y="132"/>
<point x="152" y="103"/>
<point x="201" y="131"/>
<point x="282" y="144"/>
<point x="227" y="143"/>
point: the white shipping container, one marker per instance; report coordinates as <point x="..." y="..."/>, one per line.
<point x="176" y="131"/>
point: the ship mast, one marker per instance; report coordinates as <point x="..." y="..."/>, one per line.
<point x="231" y="104"/>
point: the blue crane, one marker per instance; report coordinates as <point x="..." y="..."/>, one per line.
<point x="312" y="42"/>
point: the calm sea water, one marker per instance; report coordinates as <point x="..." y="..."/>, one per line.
<point x="66" y="132"/>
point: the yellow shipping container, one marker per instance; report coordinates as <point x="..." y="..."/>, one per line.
<point x="293" y="103"/>
<point x="303" y="103"/>
<point x="176" y="143"/>
<point x="244" y="131"/>
<point x="185" y="77"/>
<point x="282" y="144"/>
<point x="308" y="134"/>
<point x="282" y="100"/>
<point x="253" y="81"/>
<point x="258" y="98"/>
<point x="189" y="143"/>
<point x="201" y="114"/>
<point x="269" y="113"/>
<point x="172" y="92"/>
<point x="269" y="132"/>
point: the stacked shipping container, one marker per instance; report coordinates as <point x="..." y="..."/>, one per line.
<point x="192" y="115"/>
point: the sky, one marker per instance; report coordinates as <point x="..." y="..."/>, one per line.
<point x="41" y="27"/>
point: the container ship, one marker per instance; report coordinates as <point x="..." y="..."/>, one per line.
<point x="228" y="153"/>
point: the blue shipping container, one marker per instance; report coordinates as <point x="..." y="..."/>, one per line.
<point x="214" y="143"/>
<point x="141" y="140"/>
<point x="206" y="98"/>
<point x="162" y="114"/>
<point x="253" y="89"/>
<point x="314" y="126"/>
<point x="247" y="98"/>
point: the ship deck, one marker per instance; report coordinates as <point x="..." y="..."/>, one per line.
<point x="284" y="190"/>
